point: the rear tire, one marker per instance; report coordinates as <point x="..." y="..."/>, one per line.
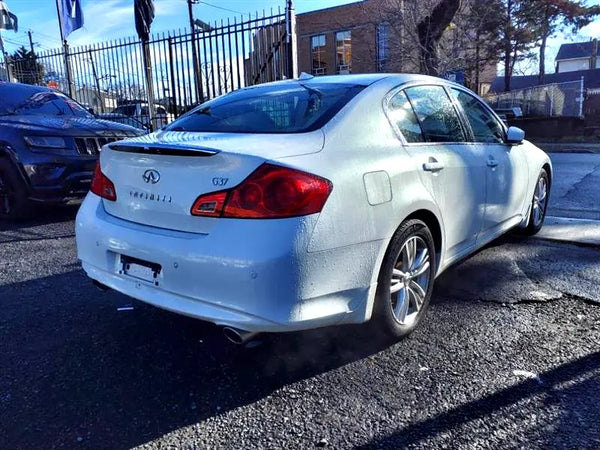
<point x="539" y="205"/>
<point x="405" y="281"/>
<point x="14" y="204"/>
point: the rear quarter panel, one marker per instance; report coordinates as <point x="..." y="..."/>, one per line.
<point x="376" y="184"/>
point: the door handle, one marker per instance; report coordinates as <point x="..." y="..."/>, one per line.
<point x="433" y="165"/>
<point x="491" y="162"/>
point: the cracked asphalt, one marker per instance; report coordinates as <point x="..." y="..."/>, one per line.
<point x="507" y="357"/>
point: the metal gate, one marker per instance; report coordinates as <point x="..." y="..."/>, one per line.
<point x="229" y="55"/>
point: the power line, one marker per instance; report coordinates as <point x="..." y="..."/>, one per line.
<point x="46" y="36"/>
<point x="11" y="41"/>
<point x="202" y="2"/>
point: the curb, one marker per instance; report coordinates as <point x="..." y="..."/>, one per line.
<point x="581" y="232"/>
<point x="568" y="147"/>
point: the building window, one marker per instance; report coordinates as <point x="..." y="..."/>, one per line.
<point x="319" y="55"/>
<point x="383" y="46"/>
<point x="343" y="58"/>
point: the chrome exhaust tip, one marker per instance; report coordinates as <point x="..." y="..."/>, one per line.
<point x="238" y="337"/>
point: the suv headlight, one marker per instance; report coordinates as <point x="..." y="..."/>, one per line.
<point x="46" y="142"/>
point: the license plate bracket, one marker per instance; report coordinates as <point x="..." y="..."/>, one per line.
<point x="140" y="269"/>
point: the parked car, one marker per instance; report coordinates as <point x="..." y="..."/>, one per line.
<point x="506" y="114"/>
<point x="139" y="111"/>
<point x="310" y="202"/>
<point x="49" y="146"/>
<point x="126" y="120"/>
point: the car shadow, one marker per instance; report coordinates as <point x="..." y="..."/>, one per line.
<point x="49" y="222"/>
<point x="88" y="368"/>
<point x="79" y="371"/>
<point x="574" y="385"/>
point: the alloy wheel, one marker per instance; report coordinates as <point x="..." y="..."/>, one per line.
<point x="410" y="280"/>
<point x="540" y="201"/>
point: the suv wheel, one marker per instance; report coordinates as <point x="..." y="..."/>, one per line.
<point x="13" y="195"/>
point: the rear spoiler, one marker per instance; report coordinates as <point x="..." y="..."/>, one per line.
<point x="155" y="149"/>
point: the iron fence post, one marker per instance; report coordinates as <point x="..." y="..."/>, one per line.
<point x="581" y="96"/>
<point x="172" y="76"/>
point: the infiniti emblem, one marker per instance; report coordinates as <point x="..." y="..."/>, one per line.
<point x="151" y="176"/>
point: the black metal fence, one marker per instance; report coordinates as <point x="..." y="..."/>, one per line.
<point x="110" y="76"/>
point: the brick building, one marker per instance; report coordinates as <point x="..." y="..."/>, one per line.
<point x="358" y="38"/>
<point x="342" y="39"/>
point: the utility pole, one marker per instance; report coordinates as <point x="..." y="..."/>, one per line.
<point x="98" y="91"/>
<point x="195" y="58"/>
<point x="292" y="44"/>
<point x="31" y="43"/>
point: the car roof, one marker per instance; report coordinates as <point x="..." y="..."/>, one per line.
<point x="364" y="79"/>
<point x="30" y="87"/>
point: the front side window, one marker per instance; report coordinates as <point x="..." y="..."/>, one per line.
<point x="436" y="114"/>
<point x="293" y="108"/>
<point x="343" y="55"/>
<point x="484" y="125"/>
<point x="403" y="117"/>
<point x="319" y="55"/>
<point x="383" y="46"/>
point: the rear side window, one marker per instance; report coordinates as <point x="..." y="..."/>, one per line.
<point x="289" y="108"/>
<point x="436" y="114"/>
<point x="402" y="115"/>
<point x="485" y="126"/>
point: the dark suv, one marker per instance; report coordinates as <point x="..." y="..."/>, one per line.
<point x="49" y="145"/>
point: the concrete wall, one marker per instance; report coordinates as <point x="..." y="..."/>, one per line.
<point x="550" y="128"/>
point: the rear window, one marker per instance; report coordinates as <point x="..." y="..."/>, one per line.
<point x="17" y="99"/>
<point x="290" y="108"/>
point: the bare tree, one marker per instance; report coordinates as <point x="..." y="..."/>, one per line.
<point x="517" y="34"/>
<point x="556" y="15"/>
<point x="478" y="25"/>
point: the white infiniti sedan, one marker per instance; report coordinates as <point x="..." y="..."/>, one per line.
<point x="309" y="202"/>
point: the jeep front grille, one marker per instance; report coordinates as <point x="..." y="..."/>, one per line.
<point x="91" y="145"/>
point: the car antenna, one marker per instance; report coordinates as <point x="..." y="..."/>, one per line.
<point x="305" y="76"/>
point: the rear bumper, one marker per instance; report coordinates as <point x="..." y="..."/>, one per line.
<point x="252" y="275"/>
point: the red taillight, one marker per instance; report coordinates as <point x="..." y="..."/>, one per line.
<point x="269" y="192"/>
<point x="102" y="186"/>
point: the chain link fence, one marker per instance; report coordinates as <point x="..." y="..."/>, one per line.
<point x="549" y="100"/>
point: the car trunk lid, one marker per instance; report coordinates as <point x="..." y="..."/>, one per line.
<point x="157" y="182"/>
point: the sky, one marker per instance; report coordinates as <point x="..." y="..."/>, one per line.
<point x="111" y="19"/>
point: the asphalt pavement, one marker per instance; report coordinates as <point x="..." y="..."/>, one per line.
<point x="576" y="186"/>
<point x="508" y="356"/>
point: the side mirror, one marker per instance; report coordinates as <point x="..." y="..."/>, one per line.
<point x="514" y="135"/>
<point x="92" y="111"/>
